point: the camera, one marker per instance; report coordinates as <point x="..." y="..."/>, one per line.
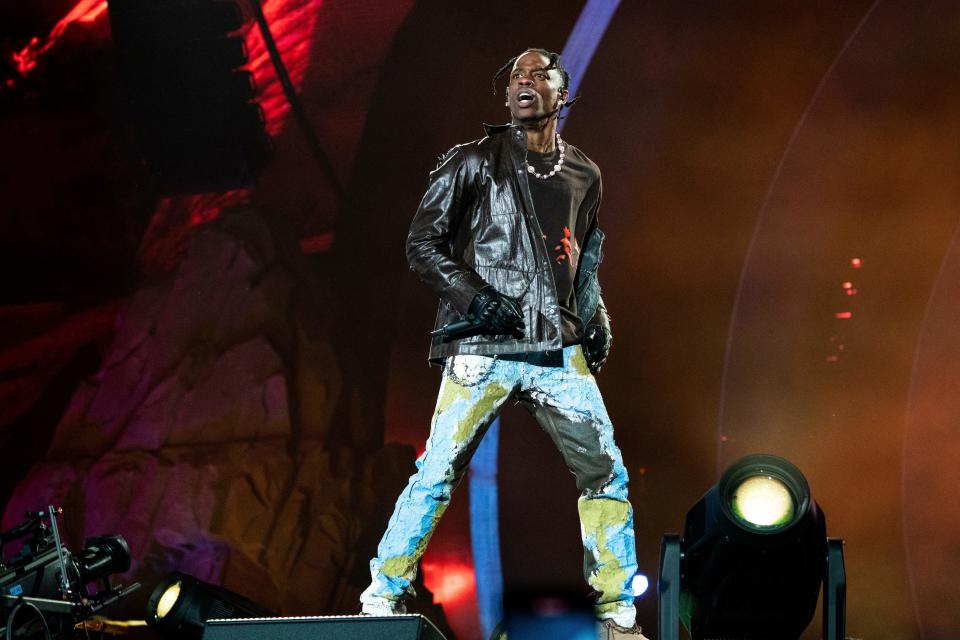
<point x="45" y="590"/>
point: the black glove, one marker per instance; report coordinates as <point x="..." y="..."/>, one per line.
<point x="496" y="313"/>
<point x="596" y="346"/>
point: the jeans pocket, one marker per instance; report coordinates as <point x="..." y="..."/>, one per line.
<point x="468" y="370"/>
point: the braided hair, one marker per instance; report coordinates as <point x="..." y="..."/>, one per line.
<point x="554" y="63"/>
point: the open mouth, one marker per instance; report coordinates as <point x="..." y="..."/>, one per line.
<point x="525" y="98"/>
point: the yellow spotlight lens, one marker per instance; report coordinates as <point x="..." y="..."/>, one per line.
<point x="763" y="501"/>
<point x="168" y="599"/>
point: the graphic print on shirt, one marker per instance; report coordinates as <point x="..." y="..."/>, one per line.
<point x="567" y="249"/>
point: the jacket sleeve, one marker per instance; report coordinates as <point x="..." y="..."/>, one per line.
<point x="429" y="243"/>
<point x="600" y="317"/>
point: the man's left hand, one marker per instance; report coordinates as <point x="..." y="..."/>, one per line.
<point x="596" y="346"/>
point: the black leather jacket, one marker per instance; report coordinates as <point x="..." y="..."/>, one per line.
<point x="476" y="226"/>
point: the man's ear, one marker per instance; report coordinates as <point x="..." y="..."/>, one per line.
<point x="564" y="94"/>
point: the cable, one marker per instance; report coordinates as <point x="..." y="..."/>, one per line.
<point x="13" y="615"/>
<point x="291" y="94"/>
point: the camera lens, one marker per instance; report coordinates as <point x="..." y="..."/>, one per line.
<point x="102" y="556"/>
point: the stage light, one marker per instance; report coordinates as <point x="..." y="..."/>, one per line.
<point x="763" y="502"/>
<point x="181" y="604"/>
<point x="167" y="599"/>
<point x="752" y="559"/>
<point x="640" y="585"/>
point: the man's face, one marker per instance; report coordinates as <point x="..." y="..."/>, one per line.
<point x="533" y="91"/>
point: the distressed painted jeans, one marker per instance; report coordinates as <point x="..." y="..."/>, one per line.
<point x="567" y="403"/>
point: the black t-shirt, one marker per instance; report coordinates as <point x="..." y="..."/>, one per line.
<point x="565" y="203"/>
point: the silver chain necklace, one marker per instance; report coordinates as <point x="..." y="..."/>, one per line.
<point x="557" y="168"/>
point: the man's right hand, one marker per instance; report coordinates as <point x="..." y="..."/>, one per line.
<point x="497" y="313"/>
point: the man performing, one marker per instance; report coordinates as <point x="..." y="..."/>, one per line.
<point x="507" y="236"/>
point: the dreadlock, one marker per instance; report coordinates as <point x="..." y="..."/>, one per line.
<point x="554" y="63"/>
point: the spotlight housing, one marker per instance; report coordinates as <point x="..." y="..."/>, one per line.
<point x="761" y="494"/>
<point x="752" y="557"/>
<point x="180" y="605"/>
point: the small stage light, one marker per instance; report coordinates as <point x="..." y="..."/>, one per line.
<point x="181" y="604"/>
<point x="752" y="559"/>
<point x="640" y="585"/>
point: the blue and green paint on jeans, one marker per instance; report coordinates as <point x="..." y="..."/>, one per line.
<point x="568" y="405"/>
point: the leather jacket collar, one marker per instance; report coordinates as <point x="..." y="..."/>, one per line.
<point x="492" y="129"/>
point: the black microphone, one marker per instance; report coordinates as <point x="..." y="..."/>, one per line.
<point x="466" y="329"/>
<point x="457" y="330"/>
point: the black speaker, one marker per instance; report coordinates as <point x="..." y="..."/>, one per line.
<point x="405" y="627"/>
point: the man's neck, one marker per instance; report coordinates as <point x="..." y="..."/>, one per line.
<point x="541" y="136"/>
